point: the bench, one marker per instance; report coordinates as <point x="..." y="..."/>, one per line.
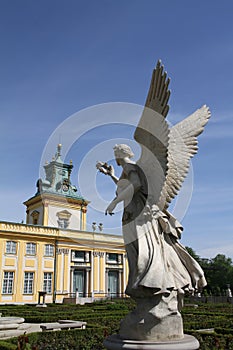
<point x="195" y="306"/>
<point x="72" y="321"/>
<point x="68" y="325"/>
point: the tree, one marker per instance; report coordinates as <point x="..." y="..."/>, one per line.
<point x="218" y="272"/>
<point x="193" y="254"/>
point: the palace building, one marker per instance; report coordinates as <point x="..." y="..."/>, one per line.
<point x="54" y="253"/>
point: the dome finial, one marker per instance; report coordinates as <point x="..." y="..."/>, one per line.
<point x="59" y="146"/>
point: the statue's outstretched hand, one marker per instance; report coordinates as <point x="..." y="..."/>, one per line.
<point x="105" y="168"/>
<point x="111" y="207"/>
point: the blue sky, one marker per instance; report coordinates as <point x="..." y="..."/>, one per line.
<point x="59" y="57"/>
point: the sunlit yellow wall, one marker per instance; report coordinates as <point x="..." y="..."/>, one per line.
<point x="45" y="214"/>
<point x="39" y="263"/>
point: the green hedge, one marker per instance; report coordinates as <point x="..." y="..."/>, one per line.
<point x="213" y="341"/>
<point x="4" y="345"/>
<point x="64" y="340"/>
<point x="93" y="340"/>
<point x="103" y="318"/>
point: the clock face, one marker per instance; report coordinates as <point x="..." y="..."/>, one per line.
<point x="65" y="185"/>
<point x="65" y="188"/>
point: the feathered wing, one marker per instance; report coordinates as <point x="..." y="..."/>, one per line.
<point x="152" y="133"/>
<point x="182" y="147"/>
<point x="158" y="94"/>
<point x="166" y="154"/>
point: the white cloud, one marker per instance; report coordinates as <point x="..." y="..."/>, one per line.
<point x="212" y="251"/>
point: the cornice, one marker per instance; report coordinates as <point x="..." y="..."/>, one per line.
<point x="55" y="198"/>
<point x="90" y="239"/>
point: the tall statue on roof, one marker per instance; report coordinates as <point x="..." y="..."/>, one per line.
<point x="160" y="268"/>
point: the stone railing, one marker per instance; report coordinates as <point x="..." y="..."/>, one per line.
<point x="61" y="233"/>
<point x="23" y="228"/>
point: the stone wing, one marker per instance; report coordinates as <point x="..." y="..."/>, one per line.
<point x="158" y="94"/>
<point x="182" y="147"/>
<point x="152" y="133"/>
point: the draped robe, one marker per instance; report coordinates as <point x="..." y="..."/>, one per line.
<point x="158" y="263"/>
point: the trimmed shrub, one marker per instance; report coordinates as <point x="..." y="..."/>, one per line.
<point x="4" y="345"/>
<point x="103" y="318"/>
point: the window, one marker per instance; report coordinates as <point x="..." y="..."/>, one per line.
<point x="79" y="256"/>
<point x="11" y="247"/>
<point x="8" y="280"/>
<point x="28" y="282"/>
<point x="47" y="282"/>
<point x="49" y="250"/>
<point x="31" y="248"/>
<point x="35" y="217"/>
<point x="112" y="258"/>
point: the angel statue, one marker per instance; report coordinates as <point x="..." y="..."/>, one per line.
<point x="160" y="268"/>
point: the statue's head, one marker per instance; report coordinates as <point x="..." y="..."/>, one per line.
<point x="122" y="151"/>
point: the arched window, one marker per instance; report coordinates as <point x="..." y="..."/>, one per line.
<point x="35" y="217"/>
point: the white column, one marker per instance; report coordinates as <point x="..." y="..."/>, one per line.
<point x="92" y="274"/>
<point x="71" y="280"/>
<point x="87" y="283"/>
<point x="103" y="267"/>
<point x="68" y="272"/>
<point x="119" y="282"/>
<point x="106" y="281"/>
<point x="62" y="273"/>
<point x="124" y="273"/>
<point x="98" y="273"/>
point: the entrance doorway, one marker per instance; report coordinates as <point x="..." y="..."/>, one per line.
<point x="113" y="283"/>
<point x="79" y="282"/>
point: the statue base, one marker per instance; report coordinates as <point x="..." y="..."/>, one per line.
<point x="155" y="324"/>
<point x="114" y="342"/>
<point x="155" y="319"/>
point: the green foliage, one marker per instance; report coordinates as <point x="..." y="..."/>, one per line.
<point x="70" y="340"/>
<point x="103" y="319"/>
<point x="213" y="341"/>
<point x="218" y="272"/>
<point x="4" y="345"/>
<point x="193" y="254"/>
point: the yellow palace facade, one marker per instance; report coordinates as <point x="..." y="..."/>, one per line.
<point x="53" y="253"/>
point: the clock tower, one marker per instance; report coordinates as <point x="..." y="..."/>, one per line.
<point x="57" y="202"/>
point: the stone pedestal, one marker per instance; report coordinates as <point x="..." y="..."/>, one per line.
<point x="114" y="342"/>
<point x="155" y="324"/>
<point x="155" y="319"/>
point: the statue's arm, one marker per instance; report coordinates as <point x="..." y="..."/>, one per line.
<point x="127" y="193"/>
<point x="114" y="178"/>
<point x="107" y="170"/>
